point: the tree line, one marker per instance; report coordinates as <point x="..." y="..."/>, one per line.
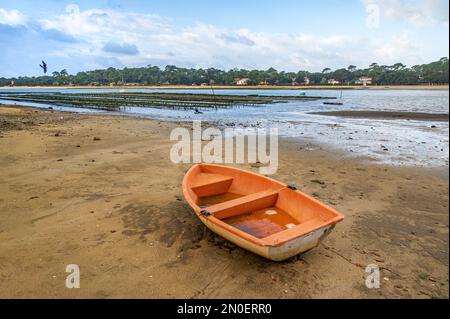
<point x="397" y="74"/>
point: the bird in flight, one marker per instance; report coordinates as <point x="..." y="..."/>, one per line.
<point x="43" y="66"/>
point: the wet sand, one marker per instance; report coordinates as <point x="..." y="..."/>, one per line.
<point x="388" y="115"/>
<point x="101" y="192"/>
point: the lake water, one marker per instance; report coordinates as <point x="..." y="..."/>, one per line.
<point x="399" y="142"/>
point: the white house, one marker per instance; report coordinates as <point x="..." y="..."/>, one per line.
<point x="364" y="80"/>
<point x="306" y="80"/>
<point x="333" y="82"/>
<point x="241" y="81"/>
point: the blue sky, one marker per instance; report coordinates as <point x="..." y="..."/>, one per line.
<point x="289" y="35"/>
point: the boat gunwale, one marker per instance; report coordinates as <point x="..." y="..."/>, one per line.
<point x="276" y="239"/>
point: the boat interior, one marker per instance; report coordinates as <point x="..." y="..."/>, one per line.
<point x="258" y="206"/>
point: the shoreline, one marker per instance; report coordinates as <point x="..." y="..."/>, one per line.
<point x="348" y="143"/>
<point x="247" y="87"/>
<point x="101" y="192"/>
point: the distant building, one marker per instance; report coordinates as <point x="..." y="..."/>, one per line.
<point x="12" y="83"/>
<point x="241" y="81"/>
<point x="263" y="82"/>
<point x="364" y="80"/>
<point x="333" y="82"/>
<point x="306" y="81"/>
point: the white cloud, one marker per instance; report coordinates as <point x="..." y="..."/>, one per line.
<point x="419" y="12"/>
<point x="107" y="22"/>
<point x="98" y="27"/>
<point x="12" y="17"/>
<point x="137" y="39"/>
<point x="398" y="49"/>
<point x="208" y="44"/>
<point x="201" y="45"/>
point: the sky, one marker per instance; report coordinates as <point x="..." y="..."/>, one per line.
<point x="289" y="35"/>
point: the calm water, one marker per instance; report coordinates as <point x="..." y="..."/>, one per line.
<point x="407" y="142"/>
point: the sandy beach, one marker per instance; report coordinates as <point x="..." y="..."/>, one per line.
<point x="100" y="191"/>
<point x="243" y="87"/>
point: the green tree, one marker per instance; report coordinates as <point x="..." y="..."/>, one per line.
<point x="432" y="73"/>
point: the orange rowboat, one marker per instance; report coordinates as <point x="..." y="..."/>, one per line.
<point x="257" y="213"/>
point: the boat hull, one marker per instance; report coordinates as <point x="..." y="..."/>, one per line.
<point x="259" y="214"/>
<point x="276" y="253"/>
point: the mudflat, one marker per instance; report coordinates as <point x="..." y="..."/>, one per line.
<point x="101" y="192"/>
<point x="390" y="115"/>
